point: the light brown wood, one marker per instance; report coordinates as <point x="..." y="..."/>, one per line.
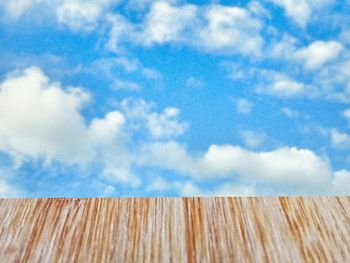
<point x="175" y="230"/>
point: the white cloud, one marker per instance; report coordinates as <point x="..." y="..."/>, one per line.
<point x="300" y="169"/>
<point x="122" y="31"/>
<point x="141" y="5"/>
<point x="40" y="119"/>
<point x="189" y="189"/>
<point x="334" y="79"/>
<point x="280" y="85"/>
<point x="231" y="30"/>
<point x="282" y="166"/>
<point x="301" y="11"/>
<point x="320" y="68"/>
<point x="169" y="155"/>
<point x="340" y="140"/>
<point x="298" y="10"/>
<point x="230" y="189"/>
<point x="244" y="106"/>
<point x="159" y="184"/>
<point x="119" y="173"/>
<point x="167" y="23"/>
<point x="284" y="48"/>
<point x="163" y="125"/>
<point x="211" y="28"/>
<point x="256" y="8"/>
<point x="104" y="131"/>
<point x="131" y="65"/>
<point x="77" y="14"/>
<point x="318" y="53"/>
<point x="16" y="8"/>
<point x="341" y="183"/>
<point x="286" y="87"/>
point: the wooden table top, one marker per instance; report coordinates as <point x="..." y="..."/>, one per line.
<point x="268" y="229"/>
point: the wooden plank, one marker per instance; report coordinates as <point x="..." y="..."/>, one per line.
<point x="175" y="230"/>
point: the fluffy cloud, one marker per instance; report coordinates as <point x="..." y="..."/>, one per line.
<point x="166" y="23"/>
<point x="286" y="87"/>
<point x="168" y="155"/>
<point x="212" y="28"/>
<point x="300" y="11"/>
<point x="334" y="79"/>
<point x="104" y="131"/>
<point x="231" y="30"/>
<point x="318" y="53"/>
<point x="163" y="125"/>
<point x="282" y="166"/>
<point x="233" y="190"/>
<point x="340" y="140"/>
<point x="41" y="120"/>
<point x="320" y="68"/>
<point x="76" y="14"/>
<point x="300" y="169"/>
<point x="341" y="183"/>
<point x="141" y="5"/>
<point x="16" y="8"/>
<point x="281" y="85"/>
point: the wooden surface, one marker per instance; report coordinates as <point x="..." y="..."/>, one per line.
<point x="175" y="230"/>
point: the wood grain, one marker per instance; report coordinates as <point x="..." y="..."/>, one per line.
<point x="175" y="230"/>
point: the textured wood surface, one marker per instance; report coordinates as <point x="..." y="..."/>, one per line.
<point x="175" y="230"/>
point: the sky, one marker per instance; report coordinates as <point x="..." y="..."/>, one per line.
<point x="115" y="98"/>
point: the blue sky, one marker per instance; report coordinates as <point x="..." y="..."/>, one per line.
<point x="174" y="98"/>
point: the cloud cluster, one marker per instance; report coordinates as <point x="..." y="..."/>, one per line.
<point x="211" y="28"/>
<point x="318" y="53"/>
<point x="42" y="120"/>
<point x="301" y="11"/>
<point x="314" y="70"/>
<point x="75" y="14"/>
